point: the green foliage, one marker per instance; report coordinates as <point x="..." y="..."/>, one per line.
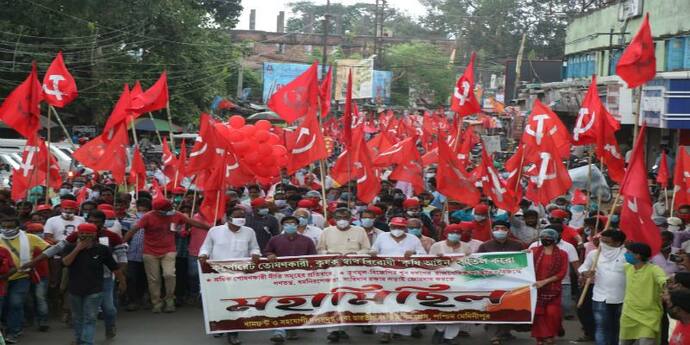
<point x="109" y="43"/>
<point x="420" y="66"/>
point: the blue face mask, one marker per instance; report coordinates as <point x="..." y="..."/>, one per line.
<point x="615" y="218"/>
<point x="415" y="231"/>
<point x="367" y="222"/>
<point x="577" y="208"/>
<point x="109" y="223"/>
<point x="263" y="211"/>
<point x="454" y="237"/>
<point x="630" y="258"/>
<point x="290" y="228"/>
<point x="303" y="221"/>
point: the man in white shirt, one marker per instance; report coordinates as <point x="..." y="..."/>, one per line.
<point x="609" y="285"/>
<point x="466" y="229"/>
<point x="396" y="243"/>
<point x="57" y="228"/>
<point x="574" y="260"/>
<point x="306" y="229"/>
<point x="229" y="241"/>
<point x="343" y="238"/>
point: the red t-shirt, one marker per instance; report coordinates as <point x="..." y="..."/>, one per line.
<point x="681" y="335"/>
<point x="6" y="264"/>
<point x="158" y="238"/>
<point x="42" y="266"/>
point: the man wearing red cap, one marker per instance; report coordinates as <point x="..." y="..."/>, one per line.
<point x="56" y="229"/>
<point x="160" y="227"/>
<point x="264" y="224"/>
<point x="482" y="223"/>
<point x="85" y="261"/>
<point x="413" y="209"/>
<point x="396" y="243"/>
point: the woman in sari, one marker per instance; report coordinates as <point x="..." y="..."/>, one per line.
<point x="551" y="266"/>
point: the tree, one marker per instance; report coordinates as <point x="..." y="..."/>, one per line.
<point x="423" y="67"/>
<point x="107" y="43"/>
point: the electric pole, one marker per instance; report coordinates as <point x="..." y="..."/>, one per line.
<point x="324" y="40"/>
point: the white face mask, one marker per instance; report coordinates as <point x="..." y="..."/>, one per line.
<point x="673" y="228"/>
<point x="238" y="221"/>
<point x="397" y="232"/>
<point x="342" y="223"/>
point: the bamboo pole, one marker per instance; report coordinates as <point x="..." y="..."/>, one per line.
<point x="215" y="211"/>
<point x="47" y="199"/>
<point x="158" y="133"/>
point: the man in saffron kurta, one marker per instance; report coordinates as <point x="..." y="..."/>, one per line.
<point x="641" y="316"/>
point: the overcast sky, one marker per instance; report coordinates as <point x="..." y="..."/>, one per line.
<point x="267" y="10"/>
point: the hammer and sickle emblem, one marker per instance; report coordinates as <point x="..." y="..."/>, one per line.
<point x="465" y="92"/>
<point x="305" y="148"/>
<point x="579" y="129"/>
<point x="55" y="91"/>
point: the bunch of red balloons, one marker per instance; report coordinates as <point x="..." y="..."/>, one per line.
<point x="255" y="146"/>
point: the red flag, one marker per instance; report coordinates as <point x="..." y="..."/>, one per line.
<point x="106" y="152"/>
<point x="237" y="175"/>
<point x="636" y="214"/>
<point x="306" y="144"/>
<point x="464" y="102"/>
<point x="550" y="179"/>
<point x="294" y="100"/>
<point x="203" y="152"/>
<point x="681" y="178"/>
<point x="82" y="195"/>
<point x="137" y="171"/>
<point x="21" y="110"/>
<point x="381" y="142"/>
<point x="513" y="166"/>
<point x="409" y="172"/>
<point x="595" y="125"/>
<point x="430" y="157"/>
<point x="33" y="171"/>
<point x="494" y="186"/>
<point x="170" y="163"/>
<point x="136" y="90"/>
<point x="182" y="161"/>
<point x="154" y="98"/>
<point x="543" y="123"/>
<point x="325" y="90"/>
<point x="59" y="88"/>
<point x="120" y="113"/>
<point x="637" y="64"/>
<point x="662" y="175"/>
<point x="213" y="184"/>
<point x="400" y="153"/>
<point x="451" y="178"/>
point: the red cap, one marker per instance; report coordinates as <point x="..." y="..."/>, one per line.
<point x="465" y="226"/>
<point x="110" y="214"/>
<point x="258" y="202"/>
<point x="179" y="190"/>
<point x="398" y="221"/>
<point x="579" y="198"/>
<point x="161" y="204"/>
<point x="454" y="227"/>
<point x="558" y="213"/>
<point x="377" y="210"/>
<point x="104" y="207"/>
<point x="410" y="203"/>
<point x="69" y="204"/>
<point x="306" y="203"/>
<point x="43" y="207"/>
<point x="481" y="209"/>
<point x="87" y="228"/>
<point x="34" y="228"/>
<point x="332" y="206"/>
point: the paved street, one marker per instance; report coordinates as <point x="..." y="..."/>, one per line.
<point x="186" y="327"/>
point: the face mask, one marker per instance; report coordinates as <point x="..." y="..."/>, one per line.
<point x="290" y="228"/>
<point x="479" y="218"/>
<point x="64" y="191"/>
<point x="577" y="208"/>
<point x="562" y="207"/>
<point x="177" y="199"/>
<point x="453" y="237"/>
<point x="415" y="231"/>
<point x="170" y="213"/>
<point x="630" y="258"/>
<point x="429" y="175"/>
<point x="109" y="223"/>
<point x="397" y="232"/>
<point x="238" y="221"/>
<point x="263" y="211"/>
<point x="499" y="234"/>
<point x="614" y="218"/>
<point x="85" y="215"/>
<point x="9" y="232"/>
<point x="367" y="222"/>
<point x="342" y="223"/>
<point x="280" y="203"/>
<point x="303" y="221"/>
<point x="95" y="195"/>
<point x="673" y="228"/>
<point x="547" y="242"/>
<point x="67" y="215"/>
<point x="138" y="214"/>
<point x="413" y="214"/>
<point x="360" y="209"/>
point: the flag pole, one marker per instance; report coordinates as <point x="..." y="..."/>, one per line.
<point x="158" y="133"/>
<point x="170" y="125"/>
<point x="62" y="125"/>
<point x="322" y="166"/>
<point x="215" y="212"/>
<point x="588" y="282"/>
<point x="191" y="213"/>
<point x="48" y="156"/>
<point x="673" y="199"/>
<point x="520" y="168"/>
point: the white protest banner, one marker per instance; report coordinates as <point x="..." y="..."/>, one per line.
<point x="320" y="291"/>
